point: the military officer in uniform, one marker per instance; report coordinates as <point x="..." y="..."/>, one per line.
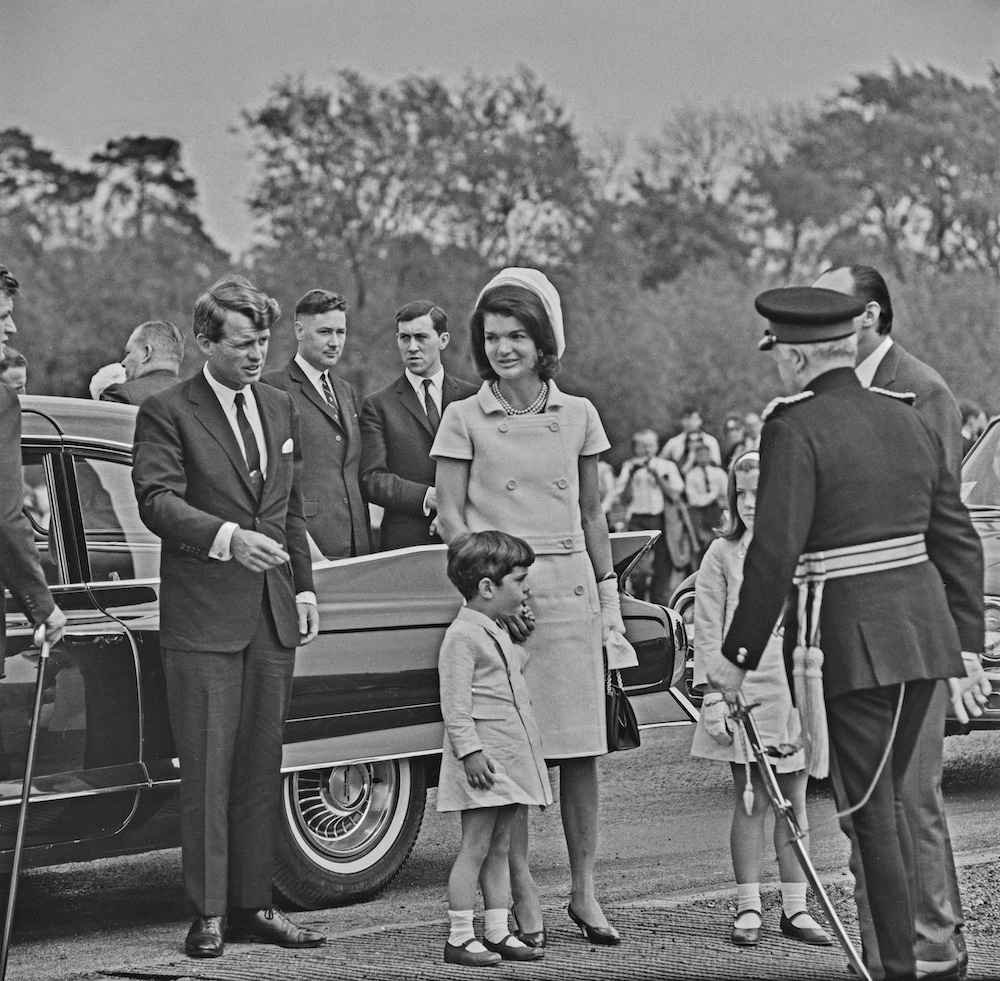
<point x="856" y="495"/>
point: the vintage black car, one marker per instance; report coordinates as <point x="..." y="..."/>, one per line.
<point x="981" y="494"/>
<point x="363" y="738"/>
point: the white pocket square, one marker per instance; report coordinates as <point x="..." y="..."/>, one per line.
<point x="286" y="447"/>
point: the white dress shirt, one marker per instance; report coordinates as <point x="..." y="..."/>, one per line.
<point x="437" y="384"/>
<point x="222" y="545"/>
<point x="866" y="370"/>
<point x="314" y="375"/>
<point x="646" y="493"/>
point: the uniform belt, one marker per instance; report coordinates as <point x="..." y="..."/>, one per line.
<point x="858" y="560"/>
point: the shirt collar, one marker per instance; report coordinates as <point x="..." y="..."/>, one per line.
<point x="488" y="401"/>
<point x="866" y="370"/>
<point x="225" y="395"/>
<point x="313" y="374"/>
<point x="482" y="620"/>
<point x="417" y="381"/>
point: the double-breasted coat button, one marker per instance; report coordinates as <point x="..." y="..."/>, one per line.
<point x="578" y="590"/>
<point x="562" y="483"/>
<point x="503" y="427"/>
<point x="554" y="426"/>
<point x="511" y="484"/>
<point x="567" y="543"/>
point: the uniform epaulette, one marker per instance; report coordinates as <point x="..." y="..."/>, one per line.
<point x="908" y="397"/>
<point x="776" y="405"/>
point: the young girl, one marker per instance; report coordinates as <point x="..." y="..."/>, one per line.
<point x="718" y="737"/>
<point x="492" y="761"/>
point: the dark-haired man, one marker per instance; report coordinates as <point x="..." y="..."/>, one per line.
<point x="335" y="510"/>
<point x="217" y="469"/>
<point x="884" y="363"/>
<point x="680" y="448"/>
<point x="152" y="362"/>
<point x="398" y="424"/>
<point x="20" y="567"/>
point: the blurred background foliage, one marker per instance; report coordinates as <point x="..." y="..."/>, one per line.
<point x="387" y="193"/>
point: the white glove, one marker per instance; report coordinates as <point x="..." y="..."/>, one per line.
<point x="611" y="608"/>
<point x="969" y="694"/>
<point x="715" y="713"/>
<point x="110" y="374"/>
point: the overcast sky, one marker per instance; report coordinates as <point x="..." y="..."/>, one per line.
<point x="76" y="73"/>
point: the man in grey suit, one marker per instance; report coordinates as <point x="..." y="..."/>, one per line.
<point x="152" y="362"/>
<point x="398" y="424"/>
<point x="336" y="513"/>
<point x="218" y="460"/>
<point x="884" y="363"/>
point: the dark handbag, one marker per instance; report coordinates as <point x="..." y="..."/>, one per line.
<point x="623" y="729"/>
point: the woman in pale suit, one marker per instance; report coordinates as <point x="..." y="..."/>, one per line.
<point x="521" y="456"/>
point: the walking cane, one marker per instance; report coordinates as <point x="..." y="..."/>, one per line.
<point x="783" y="809"/>
<point x="41" y="642"/>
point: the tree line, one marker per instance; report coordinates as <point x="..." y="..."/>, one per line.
<point x="417" y="188"/>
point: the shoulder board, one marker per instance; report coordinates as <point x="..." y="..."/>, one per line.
<point x="908" y="397"/>
<point x="776" y="405"/>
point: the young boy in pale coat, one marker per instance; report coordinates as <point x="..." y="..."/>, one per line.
<point x="492" y="761"/>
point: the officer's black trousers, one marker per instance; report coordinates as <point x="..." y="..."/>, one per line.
<point x="860" y="724"/>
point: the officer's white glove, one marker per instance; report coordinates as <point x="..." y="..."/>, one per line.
<point x="969" y="694"/>
<point x="110" y="374"/>
<point x="715" y="713"/>
<point x="611" y="608"/>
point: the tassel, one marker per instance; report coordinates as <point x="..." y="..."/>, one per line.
<point x="817" y="737"/>
<point x="748" y="794"/>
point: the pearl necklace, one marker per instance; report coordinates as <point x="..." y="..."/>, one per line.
<point x="535" y="407"/>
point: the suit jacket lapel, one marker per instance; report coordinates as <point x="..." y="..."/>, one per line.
<point x="409" y="399"/>
<point x="345" y="401"/>
<point x="449" y="392"/>
<point x="269" y="423"/>
<point x="209" y="413"/>
<point x="309" y="390"/>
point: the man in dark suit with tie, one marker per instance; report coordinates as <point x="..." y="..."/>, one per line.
<point x="217" y="471"/>
<point x="335" y="510"/>
<point x="20" y="567"/>
<point x="894" y="573"/>
<point x="884" y="363"/>
<point x="152" y="362"/>
<point x="398" y="424"/>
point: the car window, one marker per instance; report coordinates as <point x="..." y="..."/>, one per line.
<point x="119" y="546"/>
<point x="37" y="487"/>
<point x="981" y="472"/>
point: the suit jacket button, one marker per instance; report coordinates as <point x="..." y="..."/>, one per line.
<point x="741" y="655"/>
<point x="256" y="522"/>
<point x="511" y="484"/>
<point x="345" y="500"/>
<point x="338" y="439"/>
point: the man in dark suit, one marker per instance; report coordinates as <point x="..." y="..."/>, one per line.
<point x="336" y="513"/>
<point x="902" y="595"/>
<point x="883" y="363"/>
<point x="217" y="476"/>
<point x="20" y="567"/>
<point x="398" y="425"/>
<point x="152" y="362"/>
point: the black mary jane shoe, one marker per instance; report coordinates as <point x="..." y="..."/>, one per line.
<point x="509" y="953"/>
<point x="746" y="936"/>
<point x="608" y="936"/>
<point x="816" y="936"/>
<point x="536" y="939"/>
<point x="460" y="954"/>
<point x="205" y="938"/>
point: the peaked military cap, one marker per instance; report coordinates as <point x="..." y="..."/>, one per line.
<point x="806" y="315"/>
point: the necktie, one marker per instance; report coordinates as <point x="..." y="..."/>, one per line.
<point x="324" y="379"/>
<point x="250" y="447"/>
<point x="704" y="476"/>
<point x="430" y="406"/>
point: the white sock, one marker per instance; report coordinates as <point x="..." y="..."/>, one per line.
<point x="461" y="930"/>
<point x="747" y="899"/>
<point x="793" y="901"/>
<point x="497" y="929"/>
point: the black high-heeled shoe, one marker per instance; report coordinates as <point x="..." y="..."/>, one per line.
<point x="608" y="936"/>
<point x="536" y="939"/>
